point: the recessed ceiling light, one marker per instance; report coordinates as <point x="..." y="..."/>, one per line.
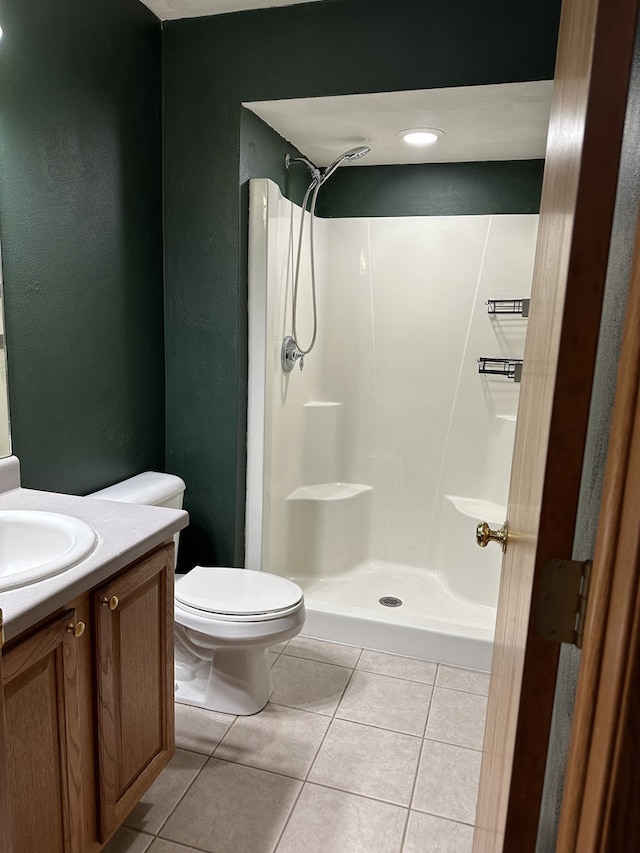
<point x="420" y="135"/>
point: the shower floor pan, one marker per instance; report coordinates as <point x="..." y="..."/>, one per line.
<point x="432" y="623"/>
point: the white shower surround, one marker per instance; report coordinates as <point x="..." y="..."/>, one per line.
<point x="369" y="470"/>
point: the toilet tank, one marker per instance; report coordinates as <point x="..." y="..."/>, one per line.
<point x="150" y="489"/>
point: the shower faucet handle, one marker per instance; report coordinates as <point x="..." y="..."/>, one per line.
<point x="289" y="354"/>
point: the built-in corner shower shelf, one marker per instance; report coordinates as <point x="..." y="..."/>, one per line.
<point x="478" y="509"/>
<point x="322" y="404"/>
<point x="329" y="492"/>
<point x="508" y="306"/>
<point x="509" y="368"/>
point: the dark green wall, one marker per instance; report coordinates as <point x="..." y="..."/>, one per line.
<point x="433" y="189"/>
<point x="80" y="216"/>
<point x="212" y="65"/>
<point x="262" y="153"/>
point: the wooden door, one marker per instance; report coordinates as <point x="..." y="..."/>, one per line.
<point x="592" y="74"/>
<point x="135" y="684"/>
<point x="6" y="845"/>
<point x="43" y="764"/>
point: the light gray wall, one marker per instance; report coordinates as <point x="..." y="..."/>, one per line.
<point x="624" y="225"/>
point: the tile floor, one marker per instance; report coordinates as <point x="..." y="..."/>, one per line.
<point x="357" y="752"/>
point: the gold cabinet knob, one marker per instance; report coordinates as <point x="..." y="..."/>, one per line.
<point x="484" y="535"/>
<point x="112" y="603"/>
<point x="76" y="628"/>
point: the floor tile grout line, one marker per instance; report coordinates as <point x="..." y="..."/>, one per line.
<point x="426" y="722"/>
<point x="317" y="752"/>
<point x="179" y="800"/>
<point x="293" y="708"/>
<point x="344" y="690"/>
<point x="415" y="778"/>
<point x="357" y="668"/>
<point x="238" y="764"/>
<point x="259" y="769"/>
<point x="460" y="690"/>
<point x="382" y="728"/>
<point x="426" y="719"/>
<point x="452" y="743"/>
<point x="418" y="764"/>
<point x="217" y="746"/>
<point x="289" y="816"/>
<point x="395" y="677"/>
<point x="315" y="660"/>
<point x="332" y="719"/>
<point x="333" y="716"/>
<point x="369" y="797"/>
<point x="393" y="655"/>
<point x="186" y="846"/>
<point x="405" y="830"/>
<point x="442" y="816"/>
<point x="188" y="788"/>
<point x="306" y="710"/>
<point x="271" y="772"/>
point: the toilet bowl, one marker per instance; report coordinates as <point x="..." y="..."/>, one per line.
<point x="225" y="621"/>
<point x="225" y="618"/>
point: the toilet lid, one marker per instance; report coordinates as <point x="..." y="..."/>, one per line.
<point x="239" y="592"/>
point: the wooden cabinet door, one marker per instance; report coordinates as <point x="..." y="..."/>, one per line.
<point x="6" y="845"/>
<point x="43" y="768"/>
<point x="135" y="685"/>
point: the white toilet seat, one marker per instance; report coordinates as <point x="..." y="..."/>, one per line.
<point x="236" y="595"/>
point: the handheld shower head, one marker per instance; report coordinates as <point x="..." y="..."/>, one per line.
<point x="291" y="349"/>
<point x="351" y="154"/>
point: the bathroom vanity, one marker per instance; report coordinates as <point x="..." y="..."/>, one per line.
<point x="88" y="679"/>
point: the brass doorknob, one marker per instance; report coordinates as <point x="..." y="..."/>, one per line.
<point x="484" y="535"/>
<point x="76" y="628"/>
<point x="111" y="603"/>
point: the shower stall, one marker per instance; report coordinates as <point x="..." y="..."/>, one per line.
<point x="369" y="469"/>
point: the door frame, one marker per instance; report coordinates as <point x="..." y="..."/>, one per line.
<point x="595" y="51"/>
<point x="602" y="783"/>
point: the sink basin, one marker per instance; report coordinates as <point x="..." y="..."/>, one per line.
<point x="37" y="545"/>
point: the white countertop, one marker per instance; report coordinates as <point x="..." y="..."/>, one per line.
<point x="125" y="533"/>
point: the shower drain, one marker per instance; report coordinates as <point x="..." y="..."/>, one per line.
<point x="390" y="601"/>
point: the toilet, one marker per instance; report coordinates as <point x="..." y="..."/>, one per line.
<point x="225" y="618"/>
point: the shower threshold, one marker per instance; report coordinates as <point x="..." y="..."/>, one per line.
<point x="432" y="622"/>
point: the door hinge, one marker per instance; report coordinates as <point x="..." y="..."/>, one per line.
<point x="562" y="603"/>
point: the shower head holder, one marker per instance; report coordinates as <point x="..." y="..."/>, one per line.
<point x="315" y="172"/>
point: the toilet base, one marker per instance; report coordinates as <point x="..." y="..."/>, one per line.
<point x="232" y="681"/>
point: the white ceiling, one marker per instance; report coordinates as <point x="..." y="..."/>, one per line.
<point x="508" y="121"/>
<point x="168" y="10"/>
